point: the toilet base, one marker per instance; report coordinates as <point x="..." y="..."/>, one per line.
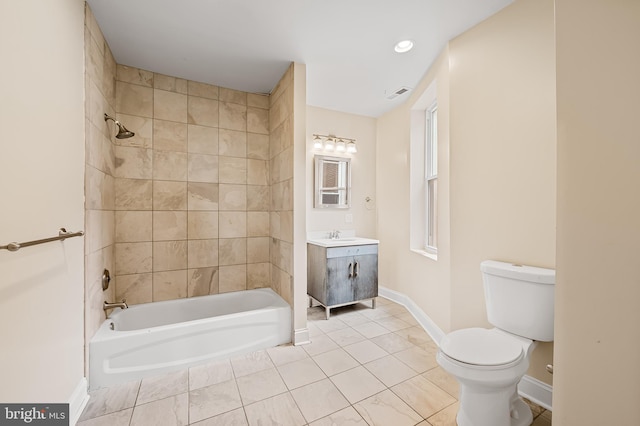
<point x="501" y="408"/>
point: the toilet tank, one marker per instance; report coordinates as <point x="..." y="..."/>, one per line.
<point x="520" y="299"/>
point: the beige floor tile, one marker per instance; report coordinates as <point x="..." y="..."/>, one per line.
<point x="261" y="385"/>
<point x="423" y="396"/>
<point x="314" y="330"/>
<point x="209" y="374"/>
<point x="365" y="351"/>
<point x="332" y="324"/>
<point x="443" y="380"/>
<point x="213" y="400"/>
<point x="354" y="318"/>
<point x="346" y="336"/>
<point x="300" y="373"/>
<point x="390" y="370"/>
<point x="543" y="419"/>
<point x="375" y="314"/>
<point x="415" y="335"/>
<point x="393" y="323"/>
<point x="320" y="344"/>
<point x="172" y="411"/>
<point x="319" y="399"/>
<point x="385" y="408"/>
<point x="394" y="309"/>
<point x="251" y="363"/>
<point x="335" y="361"/>
<point x="392" y="343"/>
<point x="357" y="384"/>
<point x="347" y="417"/>
<point x="119" y="418"/>
<point x="285" y="354"/>
<point x="418" y="359"/>
<point x="232" y="418"/>
<point x="109" y="400"/>
<point x="408" y="318"/>
<point x="160" y="387"/>
<point x="280" y="410"/>
<point x="317" y="313"/>
<point x="446" y="417"/>
<point x="370" y="329"/>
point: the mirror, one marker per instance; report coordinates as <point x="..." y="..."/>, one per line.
<point x="333" y="182"/>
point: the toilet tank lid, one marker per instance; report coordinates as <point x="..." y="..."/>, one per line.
<point x="532" y="274"/>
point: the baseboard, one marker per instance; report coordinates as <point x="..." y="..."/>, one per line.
<point x="427" y="323"/>
<point x="533" y="389"/>
<point x="536" y="391"/>
<point x="301" y="336"/>
<point x="77" y="401"/>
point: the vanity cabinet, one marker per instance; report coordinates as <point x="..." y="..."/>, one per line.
<point x="338" y="276"/>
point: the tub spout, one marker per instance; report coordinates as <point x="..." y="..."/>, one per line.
<point x="106" y="305"/>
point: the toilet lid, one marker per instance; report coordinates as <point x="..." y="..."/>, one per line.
<point x="479" y="346"/>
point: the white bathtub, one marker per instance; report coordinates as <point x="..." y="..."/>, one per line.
<point x="159" y="337"/>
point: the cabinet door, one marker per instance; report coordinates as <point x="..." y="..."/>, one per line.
<point x="365" y="284"/>
<point x="339" y="283"/>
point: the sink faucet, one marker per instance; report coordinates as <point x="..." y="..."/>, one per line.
<point x="334" y="235"/>
<point x="106" y="305"/>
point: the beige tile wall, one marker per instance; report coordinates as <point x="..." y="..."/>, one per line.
<point x="281" y="182"/>
<point x="192" y="194"/>
<point x="100" y="70"/>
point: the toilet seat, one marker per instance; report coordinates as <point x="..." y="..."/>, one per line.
<point x="481" y="347"/>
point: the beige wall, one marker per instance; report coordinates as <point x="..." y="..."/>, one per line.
<point x="597" y="339"/>
<point x="191" y="188"/>
<point x="42" y="163"/>
<point x="363" y="178"/>
<point x="100" y="98"/>
<point x="503" y="154"/>
<point x="424" y="280"/>
<point x="496" y="94"/>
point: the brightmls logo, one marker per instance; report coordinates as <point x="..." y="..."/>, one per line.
<point x="35" y="414"/>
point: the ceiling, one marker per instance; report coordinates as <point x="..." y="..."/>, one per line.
<point x="347" y="45"/>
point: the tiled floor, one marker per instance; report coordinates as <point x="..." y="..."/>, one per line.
<point x="364" y="367"/>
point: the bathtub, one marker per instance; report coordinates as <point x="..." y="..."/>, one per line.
<point x="160" y="337"/>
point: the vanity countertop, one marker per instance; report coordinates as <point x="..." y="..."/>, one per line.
<point x="342" y="242"/>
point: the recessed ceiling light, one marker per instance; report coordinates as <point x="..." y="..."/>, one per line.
<point x="403" y="46"/>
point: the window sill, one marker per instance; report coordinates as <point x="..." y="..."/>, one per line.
<point x="421" y="252"/>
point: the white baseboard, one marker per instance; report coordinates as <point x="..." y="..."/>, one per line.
<point x="301" y="336"/>
<point x="536" y="391"/>
<point x="427" y="323"/>
<point x="533" y="389"/>
<point x="77" y="401"/>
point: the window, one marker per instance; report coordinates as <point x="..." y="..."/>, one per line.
<point x="423" y="181"/>
<point x="431" y="178"/>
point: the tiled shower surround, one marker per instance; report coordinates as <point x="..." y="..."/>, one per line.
<point x="191" y="188"/>
<point x="199" y="201"/>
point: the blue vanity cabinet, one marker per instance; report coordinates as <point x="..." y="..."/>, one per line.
<point x="343" y="275"/>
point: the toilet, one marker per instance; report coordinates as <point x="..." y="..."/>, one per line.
<point x="489" y="363"/>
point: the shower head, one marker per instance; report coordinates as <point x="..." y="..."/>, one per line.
<point x="123" y="132"/>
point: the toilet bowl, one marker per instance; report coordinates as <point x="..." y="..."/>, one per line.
<point x="489" y="363"/>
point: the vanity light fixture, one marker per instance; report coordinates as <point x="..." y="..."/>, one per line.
<point x="337" y="144"/>
<point x="329" y="144"/>
<point x="317" y="142"/>
<point x="403" y="46"/>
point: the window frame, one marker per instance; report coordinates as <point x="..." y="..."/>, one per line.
<point x="431" y="178"/>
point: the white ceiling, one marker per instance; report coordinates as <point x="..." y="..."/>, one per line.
<point x="347" y="45"/>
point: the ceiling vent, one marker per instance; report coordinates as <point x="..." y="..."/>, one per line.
<point x="401" y="91"/>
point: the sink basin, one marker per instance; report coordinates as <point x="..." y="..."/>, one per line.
<point x="342" y="242"/>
